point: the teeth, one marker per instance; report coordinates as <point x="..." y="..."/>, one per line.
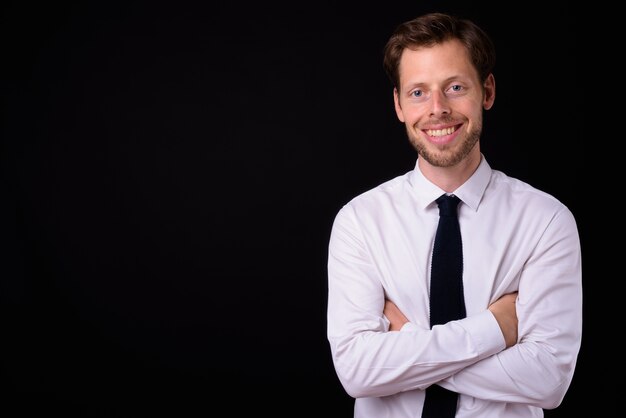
<point x="440" y="132"/>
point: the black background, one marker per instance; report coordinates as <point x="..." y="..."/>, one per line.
<point x="171" y="172"/>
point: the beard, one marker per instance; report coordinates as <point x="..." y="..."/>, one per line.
<point x="448" y="156"/>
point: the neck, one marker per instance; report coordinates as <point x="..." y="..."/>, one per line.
<point x="451" y="178"/>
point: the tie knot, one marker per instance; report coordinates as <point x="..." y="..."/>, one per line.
<point x="448" y="204"/>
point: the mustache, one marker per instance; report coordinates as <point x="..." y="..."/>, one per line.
<point x="444" y="119"/>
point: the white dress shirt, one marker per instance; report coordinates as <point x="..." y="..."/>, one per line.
<point x="515" y="238"/>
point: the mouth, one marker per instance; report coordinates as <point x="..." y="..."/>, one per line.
<point x="440" y="132"/>
<point x="442" y="135"/>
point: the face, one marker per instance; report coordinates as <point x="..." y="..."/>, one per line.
<point x="441" y="100"/>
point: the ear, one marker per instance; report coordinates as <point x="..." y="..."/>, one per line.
<point x="396" y="102"/>
<point x="490" y="92"/>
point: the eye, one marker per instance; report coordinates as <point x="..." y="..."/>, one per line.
<point x="456" y="88"/>
<point x="417" y="93"/>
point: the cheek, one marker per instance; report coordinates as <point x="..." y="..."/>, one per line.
<point x="471" y="110"/>
<point x="412" y="114"/>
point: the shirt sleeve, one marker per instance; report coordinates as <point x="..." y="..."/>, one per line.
<point x="539" y="368"/>
<point x="369" y="360"/>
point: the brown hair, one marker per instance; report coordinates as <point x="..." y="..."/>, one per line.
<point x="434" y="28"/>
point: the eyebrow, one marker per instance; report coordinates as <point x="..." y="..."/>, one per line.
<point x="445" y="82"/>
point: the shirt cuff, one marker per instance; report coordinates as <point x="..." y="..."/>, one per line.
<point x="409" y="327"/>
<point x="485" y="333"/>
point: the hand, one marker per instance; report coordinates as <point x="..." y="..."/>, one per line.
<point x="394" y="315"/>
<point x="506" y="314"/>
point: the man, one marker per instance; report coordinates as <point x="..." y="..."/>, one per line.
<point x="515" y="351"/>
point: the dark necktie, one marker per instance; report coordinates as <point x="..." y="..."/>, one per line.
<point x="446" y="294"/>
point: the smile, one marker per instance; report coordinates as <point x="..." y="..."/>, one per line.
<point x="440" y="132"/>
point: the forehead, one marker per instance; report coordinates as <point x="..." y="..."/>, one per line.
<point x="446" y="60"/>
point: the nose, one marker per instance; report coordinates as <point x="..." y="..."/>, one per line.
<point x="439" y="104"/>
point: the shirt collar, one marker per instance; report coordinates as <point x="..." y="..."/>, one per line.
<point x="470" y="192"/>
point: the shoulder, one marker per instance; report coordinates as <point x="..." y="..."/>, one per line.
<point x="387" y="192"/>
<point x="377" y="200"/>
<point x="520" y="189"/>
<point x="515" y="193"/>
